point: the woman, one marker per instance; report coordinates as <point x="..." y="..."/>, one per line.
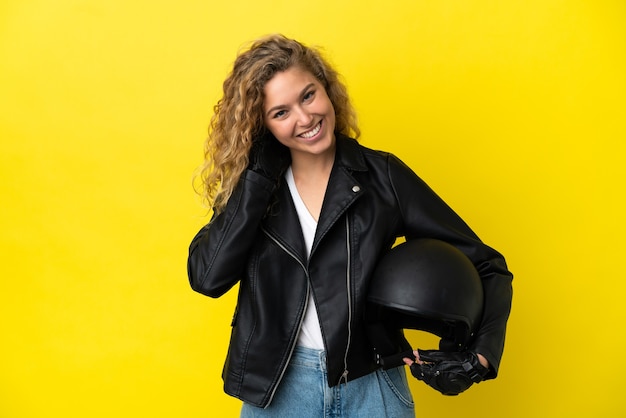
<point x="302" y="213"/>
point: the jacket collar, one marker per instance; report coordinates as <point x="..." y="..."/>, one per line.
<point x="342" y="191"/>
<point x="349" y="154"/>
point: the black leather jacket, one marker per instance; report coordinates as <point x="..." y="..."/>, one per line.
<point x="372" y="198"/>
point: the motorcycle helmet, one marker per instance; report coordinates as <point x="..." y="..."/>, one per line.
<point x="427" y="285"/>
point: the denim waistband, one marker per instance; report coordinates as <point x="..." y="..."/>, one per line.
<point x="309" y="358"/>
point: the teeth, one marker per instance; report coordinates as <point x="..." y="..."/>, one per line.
<point x="312" y="132"/>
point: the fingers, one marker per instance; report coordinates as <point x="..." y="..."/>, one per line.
<point x="483" y="361"/>
<point x="409" y="361"/>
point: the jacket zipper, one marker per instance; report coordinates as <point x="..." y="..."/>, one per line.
<point x="344" y="375"/>
<point x="306" y="303"/>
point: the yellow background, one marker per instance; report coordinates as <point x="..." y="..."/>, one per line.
<point x="512" y="110"/>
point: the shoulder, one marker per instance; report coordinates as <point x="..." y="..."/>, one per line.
<point x="382" y="167"/>
<point x="352" y="151"/>
<point x="356" y="156"/>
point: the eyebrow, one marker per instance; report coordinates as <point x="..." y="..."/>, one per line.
<point x="282" y="106"/>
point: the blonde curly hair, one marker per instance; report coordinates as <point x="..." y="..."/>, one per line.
<point x="238" y="115"/>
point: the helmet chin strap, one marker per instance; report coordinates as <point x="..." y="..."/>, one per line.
<point x="388" y="355"/>
<point x="391" y="347"/>
<point x="449" y="345"/>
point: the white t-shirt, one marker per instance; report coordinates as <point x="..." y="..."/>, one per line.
<point x="310" y="334"/>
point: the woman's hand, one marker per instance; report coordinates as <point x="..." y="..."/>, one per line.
<point x="483" y="361"/>
<point x="269" y="157"/>
<point x="448" y="372"/>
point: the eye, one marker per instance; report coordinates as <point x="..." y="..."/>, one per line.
<point x="308" y="96"/>
<point x="279" y="114"/>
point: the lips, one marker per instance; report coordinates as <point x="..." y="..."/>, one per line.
<point x="310" y="134"/>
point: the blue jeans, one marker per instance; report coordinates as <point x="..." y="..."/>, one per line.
<point x="304" y="393"/>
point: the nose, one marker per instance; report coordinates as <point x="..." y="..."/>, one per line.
<point x="304" y="118"/>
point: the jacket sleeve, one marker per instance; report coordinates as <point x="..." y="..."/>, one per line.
<point x="216" y="253"/>
<point x="426" y="215"/>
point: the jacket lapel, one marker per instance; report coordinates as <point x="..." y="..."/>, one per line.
<point x="342" y="191"/>
<point x="283" y="224"/>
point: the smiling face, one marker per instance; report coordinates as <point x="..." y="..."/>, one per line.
<point x="298" y="112"/>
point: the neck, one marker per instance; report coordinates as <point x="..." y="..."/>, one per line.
<point x="311" y="174"/>
<point x="310" y="167"/>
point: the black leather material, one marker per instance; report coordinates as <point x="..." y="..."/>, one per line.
<point x="371" y="199"/>
<point x="450" y="373"/>
<point x="424" y="284"/>
<point x="268" y="157"/>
